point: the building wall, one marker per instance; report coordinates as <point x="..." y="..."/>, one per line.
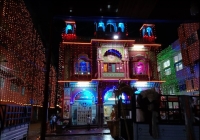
<point x="189" y="41"/>
<point x="187" y="78"/>
<point x="21" y="46"/>
<point x="171" y="84"/>
<point x="110" y="61"/>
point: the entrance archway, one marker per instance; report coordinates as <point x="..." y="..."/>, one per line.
<point x="109" y="101"/>
<point x="83" y="105"/>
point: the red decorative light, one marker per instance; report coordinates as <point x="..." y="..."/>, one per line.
<point x="68" y="37"/>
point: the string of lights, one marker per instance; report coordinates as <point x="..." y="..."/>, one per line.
<point x="22" y="47"/>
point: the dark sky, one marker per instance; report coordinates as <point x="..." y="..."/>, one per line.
<point x="167" y="15"/>
<point x="166" y="32"/>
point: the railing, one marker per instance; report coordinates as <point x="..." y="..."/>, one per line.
<point x="13" y="115"/>
<point x="113" y="74"/>
<point x="171" y="110"/>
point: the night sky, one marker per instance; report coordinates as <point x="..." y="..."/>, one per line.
<point x="166" y="32"/>
<point x="166" y="15"/>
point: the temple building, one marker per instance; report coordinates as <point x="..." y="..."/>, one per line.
<point x="90" y="69"/>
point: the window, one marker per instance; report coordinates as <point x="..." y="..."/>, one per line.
<point x="166" y="64"/>
<point x="179" y="66"/>
<point x="69" y="29"/>
<point x="110" y="27"/>
<point x="82" y="67"/>
<point x="101" y="26"/>
<point x="14" y="87"/>
<point x="105" y="67"/>
<point x="171" y="91"/>
<point x="23" y="90"/>
<point x="2" y="82"/>
<point x="121" y="27"/>
<point x="112" y="67"/>
<point x="140" y="68"/>
<point x="177" y="58"/>
<point x="158" y="68"/>
<point x="168" y="71"/>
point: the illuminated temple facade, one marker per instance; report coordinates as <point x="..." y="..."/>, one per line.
<point x="90" y="69"/>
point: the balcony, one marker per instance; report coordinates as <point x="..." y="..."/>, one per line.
<point x="113" y="75"/>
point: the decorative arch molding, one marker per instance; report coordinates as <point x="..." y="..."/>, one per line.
<point x="111" y="27"/>
<point x="77" y="91"/>
<point x="113" y="52"/>
<point x="106" y="91"/>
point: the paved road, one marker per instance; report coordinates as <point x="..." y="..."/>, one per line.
<point x="79" y="134"/>
<point x="85" y="137"/>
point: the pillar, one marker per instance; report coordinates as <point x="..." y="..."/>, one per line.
<point x="100" y="107"/>
<point x="99" y="65"/>
<point x="127" y="66"/>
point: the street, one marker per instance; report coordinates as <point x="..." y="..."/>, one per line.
<point x="82" y="137"/>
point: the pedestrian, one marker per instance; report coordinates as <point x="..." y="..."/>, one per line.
<point x="51" y="123"/>
<point x="54" y="121"/>
<point x="88" y="122"/>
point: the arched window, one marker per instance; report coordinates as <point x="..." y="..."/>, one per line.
<point x="149" y="31"/>
<point x="69" y="29"/>
<point x="140" y="67"/>
<point x="121" y="27"/>
<point x="82" y="65"/>
<point x="110" y="28"/>
<point x="101" y="26"/>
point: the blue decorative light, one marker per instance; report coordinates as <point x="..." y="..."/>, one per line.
<point x="121" y="25"/>
<point x="109" y="94"/>
<point x="101" y="24"/>
<point x="84" y="95"/>
<point x="113" y="52"/>
<point x="68" y="27"/>
<point x="124" y="98"/>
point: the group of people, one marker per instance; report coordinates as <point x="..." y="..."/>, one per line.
<point x="53" y="121"/>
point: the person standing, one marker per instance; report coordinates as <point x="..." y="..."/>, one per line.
<point x="51" y="123"/>
<point x="88" y="122"/>
<point x="54" y="121"/>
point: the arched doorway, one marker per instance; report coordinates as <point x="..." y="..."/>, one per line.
<point x="83" y="105"/>
<point x="109" y="101"/>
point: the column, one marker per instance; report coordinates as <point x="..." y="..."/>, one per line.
<point x="127" y="66"/>
<point x="101" y="69"/>
<point x="100" y="107"/>
<point x="124" y="69"/>
<point x="98" y="69"/>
